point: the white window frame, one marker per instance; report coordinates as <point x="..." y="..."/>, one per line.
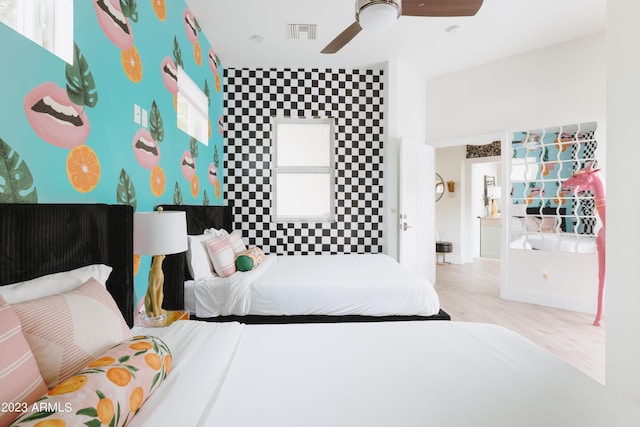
<point x="192" y="108"/>
<point x="279" y="170"/>
<point x="48" y="23"/>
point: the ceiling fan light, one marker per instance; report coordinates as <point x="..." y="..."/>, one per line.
<point x="378" y="15"/>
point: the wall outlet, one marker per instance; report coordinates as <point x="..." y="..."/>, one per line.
<point x="145" y="118"/>
<point x="136" y="113"/>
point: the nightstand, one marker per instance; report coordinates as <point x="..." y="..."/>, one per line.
<point x="172" y="316"/>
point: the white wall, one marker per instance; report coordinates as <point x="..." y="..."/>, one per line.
<point x="448" y="213"/>
<point x="623" y="152"/>
<point x="406" y="112"/>
<point x="559" y="85"/>
<point x="562" y="84"/>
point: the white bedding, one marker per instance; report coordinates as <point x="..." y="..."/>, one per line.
<point x="372" y="374"/>
<point x="202" y="353"/>
<point x="369" y="285"/>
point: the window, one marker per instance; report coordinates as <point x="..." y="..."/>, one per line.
<point x="48" y="23"/>
<point x="193" y="108"/>
<point x="303" y="170"/>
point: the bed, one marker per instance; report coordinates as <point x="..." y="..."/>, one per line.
<point x="339" y="374"/>
<point x="409" y="374"/>
<point x="299" y="288"/>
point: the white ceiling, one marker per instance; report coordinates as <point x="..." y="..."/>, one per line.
<point x="502" y="28"/>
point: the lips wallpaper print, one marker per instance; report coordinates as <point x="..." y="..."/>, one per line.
<point x="104" y="129"/>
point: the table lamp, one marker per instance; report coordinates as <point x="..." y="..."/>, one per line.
<point x="158" y="234"/>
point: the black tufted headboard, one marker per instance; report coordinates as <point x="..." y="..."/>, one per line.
<point x="39" y="239"/>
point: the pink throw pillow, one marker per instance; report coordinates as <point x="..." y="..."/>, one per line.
<point x="222" y="256"/>
<point x="68" y="330"/>
<point x="237" y="245"/>
<point x="20" y="377"/>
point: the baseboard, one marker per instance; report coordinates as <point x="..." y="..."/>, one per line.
<point x="581" y="305"/>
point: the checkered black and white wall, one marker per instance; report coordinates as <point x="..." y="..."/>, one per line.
<point x="354" y="98"/>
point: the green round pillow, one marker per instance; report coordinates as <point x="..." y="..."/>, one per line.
<point x="249" y="259"/>
<point x="244" y="263"/>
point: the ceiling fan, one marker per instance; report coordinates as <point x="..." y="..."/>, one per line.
<point x="380" y="14"/>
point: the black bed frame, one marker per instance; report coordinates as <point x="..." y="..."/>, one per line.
<point x="200" y="218"/>
<point x="40" y="239"/>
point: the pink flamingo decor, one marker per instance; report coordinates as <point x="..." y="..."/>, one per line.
<point x="587" y="179"/>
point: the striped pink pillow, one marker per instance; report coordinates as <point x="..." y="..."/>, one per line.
<point x="222" y="256"/>
<point x="235" y="240"/>
<point x="21" y="381"/>
<point x="68" y="330"/>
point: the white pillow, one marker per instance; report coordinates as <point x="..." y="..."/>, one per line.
<point x="55" y="283"/>
<point x="237" y="244"/>
<point x="197" y="256"/>
<point x="214" y="232"/>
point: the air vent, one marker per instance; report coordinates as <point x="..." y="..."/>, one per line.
<point x="302" y="31"/>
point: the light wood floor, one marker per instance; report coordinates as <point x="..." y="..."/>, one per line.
<point x="471" y="292"/>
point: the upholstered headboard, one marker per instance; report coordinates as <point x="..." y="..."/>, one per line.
<point x="199" y="218"/>
<point x="39" y="239"/>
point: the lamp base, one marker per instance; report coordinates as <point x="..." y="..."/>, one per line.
<point x="152" y="321"/>
<point x="154" y="296"/>
<point x="161" y="321"/>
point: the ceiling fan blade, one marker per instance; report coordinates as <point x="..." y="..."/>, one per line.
<point x="440" y="7"/>
<point x="343" y="38"/>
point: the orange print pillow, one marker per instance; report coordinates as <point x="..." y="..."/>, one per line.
<point x="110" y="390"/>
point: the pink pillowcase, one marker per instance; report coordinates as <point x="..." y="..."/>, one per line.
<point x="68" y="330"/>
<point x="237" y="245"/>
<point x="20" y="377"/>
<point x="222" y="256"/>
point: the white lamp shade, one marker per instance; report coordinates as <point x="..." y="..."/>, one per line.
<point x="494" y="192"/>
<point x="378" y="16"/>
<point x="159" y="233"/>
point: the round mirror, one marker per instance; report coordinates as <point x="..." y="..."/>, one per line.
<point x="439" y="187"/>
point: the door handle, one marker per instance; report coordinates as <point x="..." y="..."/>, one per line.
<point x="404" y="226"/>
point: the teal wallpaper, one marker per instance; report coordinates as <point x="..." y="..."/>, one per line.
<point x="67" y="132"/>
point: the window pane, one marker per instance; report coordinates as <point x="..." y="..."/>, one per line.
<point x="48" y="23"/>
<point x="303" y="144"/>
<point x="301" y="195"/>
<point x="192" y="108"/>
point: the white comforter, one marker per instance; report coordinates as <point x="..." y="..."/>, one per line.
<point x="409" y="374"/>
<point x="201" y="354"/>
<point x="370" y="285"/>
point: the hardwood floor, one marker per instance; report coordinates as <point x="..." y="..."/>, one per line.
<point x="471" y="293"/>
